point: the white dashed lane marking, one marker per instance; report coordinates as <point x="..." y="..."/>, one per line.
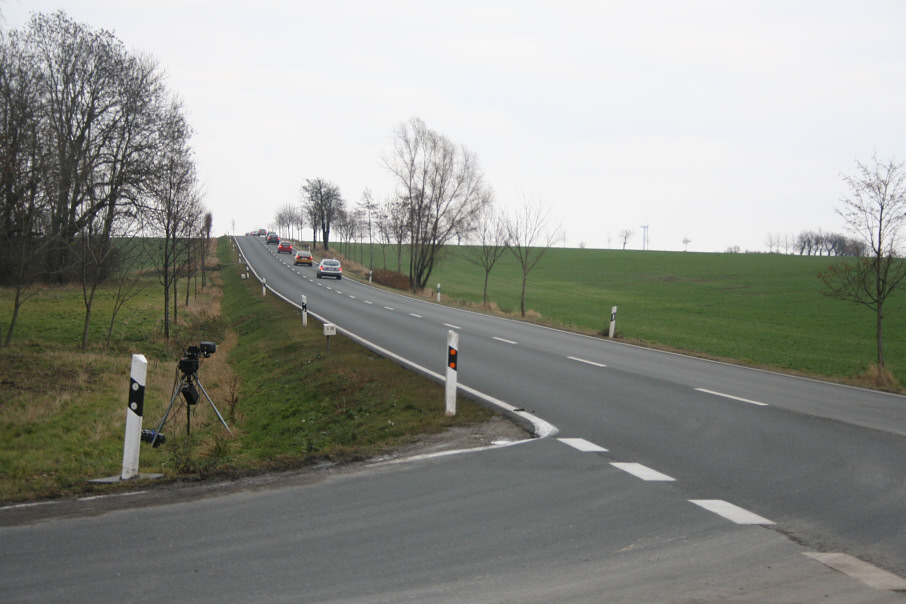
<point x="582" y="445"/>
<point x="504" y="340"/>
<point x="452" y="326"/>
<point x="643" y="472"/>
<point x="730" y="396"/>
<point x="730" y="512"/>
<point x="587" y="362"/>
<point x="859" y="570"/>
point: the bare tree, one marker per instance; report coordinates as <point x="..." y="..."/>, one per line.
<point x="625" y="235"/>
<point x="442" y="189"/>
<point x="174" y="197"/>
<point x="324" y="205"/>
<point x="490" y="244"/>
<point x="528" y="238"/>
<point x="874" y="210"/>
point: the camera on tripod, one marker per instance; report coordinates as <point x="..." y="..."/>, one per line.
<point x="188" y="385"/>
<point x="189" y="363"/>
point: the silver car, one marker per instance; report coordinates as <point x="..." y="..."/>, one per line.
<point x="330" y="268"/>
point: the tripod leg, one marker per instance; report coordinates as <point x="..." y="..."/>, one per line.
<point x="205" y="392"/>
<point x="164" y="420"/>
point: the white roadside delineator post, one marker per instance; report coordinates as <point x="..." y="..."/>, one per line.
<point x="304" y="311"/>
<point x="452" y="366"/>
<point x="134" y="412"/>
<point x="613" y="321"/>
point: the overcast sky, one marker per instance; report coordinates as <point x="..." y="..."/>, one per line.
<point x="720" y="122"/>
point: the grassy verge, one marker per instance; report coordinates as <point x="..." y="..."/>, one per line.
<point x="62" y="412"/>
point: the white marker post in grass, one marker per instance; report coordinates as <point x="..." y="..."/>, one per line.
<point x="452" y="366"/>
<point x="264" y="287"/>
<point x="304" y="311"/>
<point x="134" y="412"/>
<point x="613" y="321"/>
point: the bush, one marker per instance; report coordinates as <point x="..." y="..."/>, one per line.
<point x="390" y="279"/>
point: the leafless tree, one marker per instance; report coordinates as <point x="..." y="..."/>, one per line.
<point x="490" y="242"/>
<point x="625" y="235"/>
<point x="23" y="161"/>
<point x="323" y="203"/>
<point x="174" y="196"/>
<point x="442" y="189"/>
<point x="529" y="237"/>
<point x="874" y="210"/>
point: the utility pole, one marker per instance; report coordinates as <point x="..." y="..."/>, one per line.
<point x="644" y="236"/>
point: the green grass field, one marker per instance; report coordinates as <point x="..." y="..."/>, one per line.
<point x="62" y="411"/>
<point x="760" y="309"/>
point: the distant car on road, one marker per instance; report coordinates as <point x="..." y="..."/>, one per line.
<point x="303" y="257"/>
<point x="273" y="238"/>
<point x="285" y="247"/>
<point x="261" y="232"/>
<point x="330" y="268"/>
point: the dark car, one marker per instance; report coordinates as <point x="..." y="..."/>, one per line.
<point x="285" y="247"/>
<point x="261" y="232"/>
<point x="273" y="238"/>
<point x="303" y="257"/>
<point x="330" y="268"/>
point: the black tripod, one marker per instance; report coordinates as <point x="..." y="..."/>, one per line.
<point x="185" y="384"/>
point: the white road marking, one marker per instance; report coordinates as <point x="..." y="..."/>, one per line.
<point x="113" y="495"/>
<point x="27" y="505"/>
<point x="412" y="314"/>
<point x="389" y="308"/>
<point x="643" y="472"/>
<point x="582" y="445"/>
<point x="586" y="362"/>
<point x="730" y="396"/>
<point x="353" y="297"/>
<point x="730" y="511"/>
<point x="859" y="570"/>
<point x="452" y="326"/>
<point x="504" y="341"/>
<point x="368" y="302"/>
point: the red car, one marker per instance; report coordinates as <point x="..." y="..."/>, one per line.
<point x="285" y="246"/>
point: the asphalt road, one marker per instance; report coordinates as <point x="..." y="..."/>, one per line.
<point x="661" y="478"/>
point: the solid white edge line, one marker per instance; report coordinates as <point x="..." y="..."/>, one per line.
<point x="731" y="512"/>
<point x="730" y="396"/>
<point x="583" y="445"/>
<point x="643" y="472"/>
<point x="861" y="571"/>
<point x="540" y="427"/>
<point x="587" y="362"/>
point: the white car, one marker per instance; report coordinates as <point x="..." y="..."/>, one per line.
<point x="330" y="268"/>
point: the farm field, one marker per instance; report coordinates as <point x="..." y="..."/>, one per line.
<point x="765" y="310"/>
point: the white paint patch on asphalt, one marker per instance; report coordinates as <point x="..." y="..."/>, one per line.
<point x="643" y="472"/>
<point x="93" y="497"/>
<point x="586" y="361"/>
<point x="730" y="396"/>
<point x="505" y="341"/>
<point x="730" y="512"/>
<point x="582" y="445"/>
<point x="859" y="570"/>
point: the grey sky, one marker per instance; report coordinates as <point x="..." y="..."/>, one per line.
<point x="717" y="121"/>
